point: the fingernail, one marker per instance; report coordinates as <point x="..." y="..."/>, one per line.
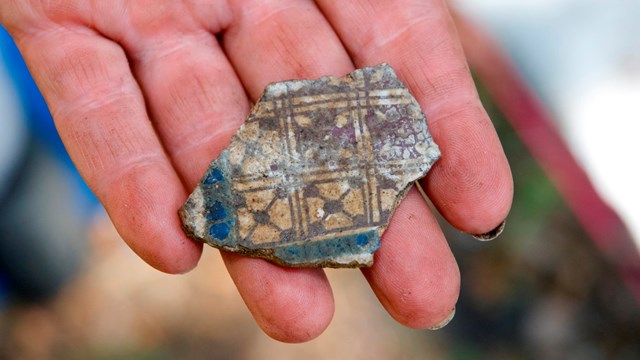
<point x="491" y="234"/>
<point x="445" y="321"/>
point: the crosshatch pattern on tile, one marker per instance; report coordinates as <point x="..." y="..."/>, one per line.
<point x="314" y="175"/>
<point x="342" y="184"/>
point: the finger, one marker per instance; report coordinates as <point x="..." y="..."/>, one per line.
<point x="260" y="38"/>
<point x="283" y="40"/>
<point x="471" y="184"/>
<point x="197" y="104"/>
<point x="415" y="275"/>
<point x="100" y="115"/>
<point x="278" y="34"/>
<point x="290" y="305"/>
<point x="195" y="100"/>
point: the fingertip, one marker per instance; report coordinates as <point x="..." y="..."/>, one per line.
<point x="307" y="318"/>
<point x="471" y="184"/>
<point x="434" y="310"/>
<point x="429" y="301"/>
<point x="289" y="304"/>
<point x="175" y="261"/>
<point x="164" y="247"/>
<point x="143" y="204"/>
<point x="304" y="327"/>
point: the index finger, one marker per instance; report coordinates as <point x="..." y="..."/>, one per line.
<point x="471" y="184"/>
<point x="100" y="114"/>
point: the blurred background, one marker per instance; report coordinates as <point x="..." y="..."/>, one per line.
<point x="561" y="81"/>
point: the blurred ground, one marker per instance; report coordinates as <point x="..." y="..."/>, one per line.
<point x="121" y="308"/>
<point x="539" y="291"/>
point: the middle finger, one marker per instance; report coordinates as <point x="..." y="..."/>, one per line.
<point x="281" y="40"/>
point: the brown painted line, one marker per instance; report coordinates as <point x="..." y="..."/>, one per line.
<point x="320" y="98"/>
<point x="319" y="171"/>
<point x="295" y="221"/>
<point x="303" y="110"/>
<point x="307" y="178"/>
<point x="258" y="184"/>
<point x="355" y="119"/>
<point x="365" y="206"/>
<point x="356" y="229"/>
<point x="250" y="233"/>
<point x="300" y="212"/>
<point x="339" y="97"/>
<point x="244" y="183"/>
<point x="331" y="176"/>
<point x="305" y="203"/>
<point x="342" y="96"/>
<point x="292" y="213"/>
<point x="366" y="146"/>
<point x="253" y="178"/>
<point x="380" y="210"/>
<point x="293" y="154"/>
<point x="285" y="122"/>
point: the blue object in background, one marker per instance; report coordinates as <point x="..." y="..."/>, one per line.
<point x="44" y="203"/>
<point x="38" y="117"/>
<point x="4" y="291"/>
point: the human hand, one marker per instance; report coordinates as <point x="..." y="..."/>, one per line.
<point x="146" y="93"/>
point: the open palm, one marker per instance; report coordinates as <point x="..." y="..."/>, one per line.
<point x="145" y="93"/>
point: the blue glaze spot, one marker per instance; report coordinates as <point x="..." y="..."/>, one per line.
<point x="219" y="231"/>
<point x="329" y="248"/>
<point x="362" y="240"/>
<point x="216" y="212"/>
<point x="213" y="176"/>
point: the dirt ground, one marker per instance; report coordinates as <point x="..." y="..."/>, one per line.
<point x="119" y="307"/>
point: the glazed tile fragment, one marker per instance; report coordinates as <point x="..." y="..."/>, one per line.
<point x="313" y="176"/>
